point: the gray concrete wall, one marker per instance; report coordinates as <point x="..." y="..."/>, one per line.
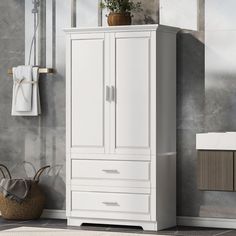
<point x="220" y="91"/>
<point x="36" y="140"/>
<point x="206" y="103"/>
<point x="190" y="119"/>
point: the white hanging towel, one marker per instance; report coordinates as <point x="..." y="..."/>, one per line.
<point x="25" y="97"/>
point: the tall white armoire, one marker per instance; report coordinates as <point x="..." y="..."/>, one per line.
<point x="121" y="126"/>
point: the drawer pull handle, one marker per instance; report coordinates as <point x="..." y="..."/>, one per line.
<point x="111" y="171"/>
<point x="111" y="204"/>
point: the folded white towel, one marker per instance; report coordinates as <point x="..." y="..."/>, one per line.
<point x="25" y="99"/>
<point x="22" y="78"/>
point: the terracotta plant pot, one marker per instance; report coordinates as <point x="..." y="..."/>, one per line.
<point x="119" y="19"/>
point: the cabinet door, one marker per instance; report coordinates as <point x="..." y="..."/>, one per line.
<point x="215" y="170"/>
<point x="130" y="83"/>
<point x="88" y="104"/>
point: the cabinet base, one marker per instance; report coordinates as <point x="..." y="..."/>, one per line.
<point x="152" y="226"/>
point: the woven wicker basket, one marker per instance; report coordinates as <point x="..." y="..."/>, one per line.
<point x="31" y="208"/>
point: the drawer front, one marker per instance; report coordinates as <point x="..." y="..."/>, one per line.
<point x="120" y="170"/>
<point x="215" y="170"/>
<point x="112" y="202"/>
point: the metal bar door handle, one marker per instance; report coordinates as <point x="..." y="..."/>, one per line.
<point x="113" y="94"/>
<point x="111" y="171"/>
<point x="108" y="94"/>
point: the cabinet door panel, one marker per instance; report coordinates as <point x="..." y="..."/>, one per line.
<point x="215" y="170"/>
<point x="87" y="101"/>
<point x="131" y="109"/>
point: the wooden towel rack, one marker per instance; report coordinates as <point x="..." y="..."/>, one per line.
<point x="41" y="71"/>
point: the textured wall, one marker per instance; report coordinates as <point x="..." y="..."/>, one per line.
<point x="150" y="13"/>
<point x="190" y="114"/>
<point x="40" y="140"/>
<point x="12" y="129"/>
<point x="206" y="105"/>
<point x="47" y="144"/>
<point x="220" y="90"/>
<point x="179" y="13"/>
<point x="190" y="119"/>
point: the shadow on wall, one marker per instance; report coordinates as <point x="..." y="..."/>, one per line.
<point x="51" y="183"/>
<point x="205" y="103"/>
<point x="190" y="118"/>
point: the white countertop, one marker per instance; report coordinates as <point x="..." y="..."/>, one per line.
<point x="216" y="141"/>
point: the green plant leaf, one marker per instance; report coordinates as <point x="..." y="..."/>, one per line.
<point x="121" y="6"/>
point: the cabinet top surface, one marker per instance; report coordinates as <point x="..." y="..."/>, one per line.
<point x="152" y="27"/>
<point x="216" y="141"/>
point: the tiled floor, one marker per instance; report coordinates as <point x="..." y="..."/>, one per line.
<point x="61" y="224"/>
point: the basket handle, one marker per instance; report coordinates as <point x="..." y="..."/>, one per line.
<point x="39" y="172"/>
<point x="4" y="176"/>
<point x="7" y="170"/>
<point x="59" y="167"/>
<point x="24" y="163"/>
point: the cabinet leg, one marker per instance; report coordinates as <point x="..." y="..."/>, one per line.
<point x="149" y="226"/>
<point x="74" y="222"/>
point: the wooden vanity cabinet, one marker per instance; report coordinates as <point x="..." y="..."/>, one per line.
<point x="216" y="170"/>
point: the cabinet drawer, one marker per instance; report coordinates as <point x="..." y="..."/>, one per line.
<point x="120" y="170"/>
<point x="129" y="203"/>
<point x="215" y="170"/>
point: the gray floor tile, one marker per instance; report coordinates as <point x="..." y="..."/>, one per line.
<point x="228" y="233"/>
<point x="195" y="231"/>
<point x="61" y="224"/>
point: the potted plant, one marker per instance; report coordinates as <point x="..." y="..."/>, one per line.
<point x="120" y="11"/>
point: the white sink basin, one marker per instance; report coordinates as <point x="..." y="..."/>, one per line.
<point x="216" y="141"/>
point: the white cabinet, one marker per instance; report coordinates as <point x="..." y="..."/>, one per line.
<point x="120" y="128"/>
